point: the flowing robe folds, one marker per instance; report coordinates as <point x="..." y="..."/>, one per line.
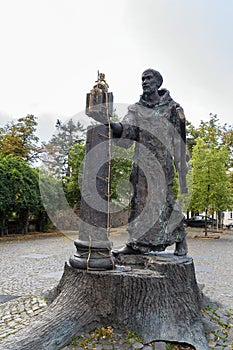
<point x="156" y="220"/>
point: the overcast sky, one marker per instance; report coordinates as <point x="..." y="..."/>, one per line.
<point x="51" y="51"/>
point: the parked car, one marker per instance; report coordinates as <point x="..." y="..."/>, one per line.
<point x="230" y="225"/>
<point x="199" y="221"/>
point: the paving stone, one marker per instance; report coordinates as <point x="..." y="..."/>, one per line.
<point x="230" y="333"/>
<point x="117" y="346"/>
<point x="126" y="346"/>
<point x="34" y="277"/>
<point x="7" y="312"/>
<point x="131" y="340"/>
<point x="4" y="335"/>
<point x="42" y="304"/>
<point x="35" y="307"/>
<point x="37" y="312"/>
<point x="218" y="313"/>
<point x="7" y="318"/>
<point x="107" y="347"/>
<point x="228" y="343"/>
<point x="98" y="347"/>
<point x="19" y="326"/>
<point x="137" y="345"/>
<point x="11" y="324"/>
<point x="29" y="312"/>
<point x="21" y="308"/>
<point x="160" y="346"/>
<point x="34" y="301"/>
<point x="14" y="310"/>
<point x="210" y="336"/>
<point x="219" y="342"/>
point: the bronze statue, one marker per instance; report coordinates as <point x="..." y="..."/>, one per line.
<point x="157" y="124"/>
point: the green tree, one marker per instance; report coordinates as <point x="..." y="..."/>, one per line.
<point x="17" y="138"/>
<point x="53" y="199"/>
<point x="121" y="168"/>
<point x="210" y="131"/>
<point x="192" y="134"/>
<point x="19" y="191"/>
<point x="227" y="139"/>
<point x="57" y="150"/>
<point x="120" y="172"/>
<point x="72" y="183"/>
<point x="5" y="194"/>
<point x="211" y="185"/>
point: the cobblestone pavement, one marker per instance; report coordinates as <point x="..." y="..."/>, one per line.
<point x="17" y="314"/>
<point x="213" y="259"/>
<point x="30" y="267"/>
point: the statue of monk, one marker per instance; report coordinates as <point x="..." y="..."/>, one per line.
<point x="157" y="125"/>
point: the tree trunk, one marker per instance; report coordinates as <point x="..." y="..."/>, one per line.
<point x="206" y="212"/>
<point x="23" y="221"/>
<point x="3" y="226"/>
<point x="158" y="298"/>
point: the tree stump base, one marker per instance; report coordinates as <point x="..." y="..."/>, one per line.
<point x="156" y="296"/>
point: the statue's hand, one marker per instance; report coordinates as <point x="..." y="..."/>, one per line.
<point x="99" y="113"/>
<point x="116" y="129"/>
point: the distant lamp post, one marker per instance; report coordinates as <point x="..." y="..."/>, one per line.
<point x="93" y="246"/>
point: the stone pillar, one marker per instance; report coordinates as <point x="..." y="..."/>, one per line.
<point x="93" y="245"/>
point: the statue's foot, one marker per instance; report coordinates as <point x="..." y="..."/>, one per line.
<point x="181" y="248"/>
<point x="127" y="250"/>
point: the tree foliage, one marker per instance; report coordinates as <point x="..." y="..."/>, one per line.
<point x="64" y="159"/>
<point x="17" y="138"/>
<point x="72" y="183"/>
<point x="211" y="146"/>
<point x="121" y="168"/>
<point x="211" y="185"/>
<point x="211" y="131"/>
<point x="192" y="135"/>
<point x="57" y="150"/>
<point x="19" y="190"/>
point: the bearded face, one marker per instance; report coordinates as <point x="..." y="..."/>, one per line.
<point x="149" y="83"/>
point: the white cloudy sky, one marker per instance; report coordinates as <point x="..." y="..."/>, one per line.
<point x="51" y="51"/>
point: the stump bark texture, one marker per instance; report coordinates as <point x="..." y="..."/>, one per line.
<point x="155" y="296"/>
